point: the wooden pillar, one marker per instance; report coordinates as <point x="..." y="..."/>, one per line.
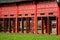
<point x="27" y="25"/>
<point x="9" y="25"/>
<point x="35" y="20"/>
<point x="59" y="25"/>
<point x="48" y="26"/>
<point x="58" y="28"/>
<point x="16" y="26"/>
<point x="35" y="25"/>
<point x="4" y="25"/>
<point x="16" y="19"/>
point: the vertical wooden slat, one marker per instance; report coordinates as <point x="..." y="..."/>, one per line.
<point x="41" y="25"/>
<point x="27" y="25"/>
<point x="4" y="25"/>
<point x="9" y="25"/>
<point x="48" y="27"/>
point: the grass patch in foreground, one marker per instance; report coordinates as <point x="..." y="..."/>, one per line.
<point x="4" y="36"/>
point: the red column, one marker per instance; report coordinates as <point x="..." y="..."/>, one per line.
<point x="16" y="26"/>
<point x="16" y="19"/>
<point x="35" y="20"/>
<point x="58" y="22"/>
<point x="27" y="25"/>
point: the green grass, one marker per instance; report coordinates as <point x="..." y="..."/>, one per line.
<point x="4" y="36"/>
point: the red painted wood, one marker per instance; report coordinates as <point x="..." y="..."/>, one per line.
<point x="59" y="21"/>
<point x="16" y="19"/>
<point x="35" y="20"/>
<point x="9" y="25"/>
<point x="0" y="13"/>
<point x="31" y="9"/>
<point x="27" y="25"/>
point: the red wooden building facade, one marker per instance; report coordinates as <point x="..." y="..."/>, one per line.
<point x="13" y="18"/>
